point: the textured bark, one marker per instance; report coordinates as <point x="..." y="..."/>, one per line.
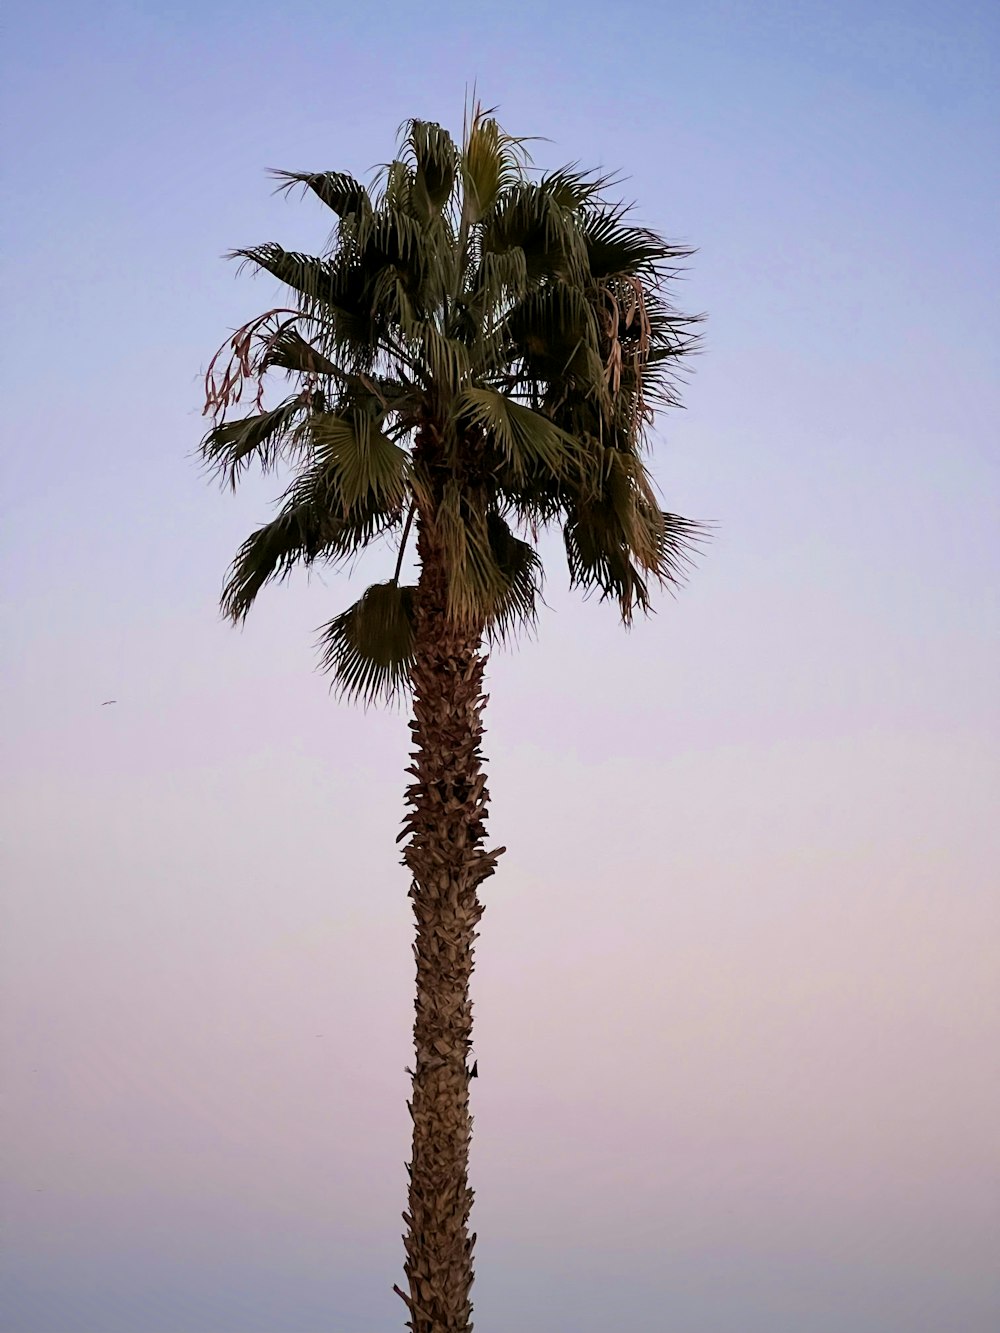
<point x="446" y="824"/>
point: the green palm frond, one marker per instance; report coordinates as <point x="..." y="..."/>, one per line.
<point x="296" y="535"/>
<point x="447" y="360"/>
<point x="290" y="351"/>
<point x="532" y="220"/>
<point x="393" y="236"/>
<point x="679" y="542"/>
<point x="501" y="277"/>
<point x="340" y="192"/>
<point x="435" y="158"/>
<point x="315" y="280"/>
<point x="355" y="464"/>
<point x="368" y="649"/>
<point x="474" y="582"/>
<point x="492" y="162"/>
<point x="394" y="300"/>
<point x="526" y="441"/>
<point x="573" y="189"/>
<point x="265" y="438"/>
<point x="554" y="334"/>
<point x="615" y="559"/>
<point x="296" y="270"/>
<point x="614" y="246"/>
<point x="601" y="562"/>
<point x="302" y="533"/>
<point x="493" y="576"/>
<point x="520" y="567"/>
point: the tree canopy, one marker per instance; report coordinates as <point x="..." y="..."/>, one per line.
<point x="480" y="347"/>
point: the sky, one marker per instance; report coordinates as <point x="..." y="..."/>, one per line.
<point x="737" y="992"/>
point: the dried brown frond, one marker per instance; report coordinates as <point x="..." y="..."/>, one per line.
<point x="225" y="383"/>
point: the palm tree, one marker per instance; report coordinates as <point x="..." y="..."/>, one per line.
<point x="475" y="358"/>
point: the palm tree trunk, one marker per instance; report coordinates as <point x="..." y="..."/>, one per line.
<point x="448" y="801"/>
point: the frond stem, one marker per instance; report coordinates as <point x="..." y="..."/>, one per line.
<point x="402" y="357"/>
<point x="402" y="541"/>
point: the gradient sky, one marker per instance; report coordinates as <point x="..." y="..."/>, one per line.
<point x="737" y="990"/>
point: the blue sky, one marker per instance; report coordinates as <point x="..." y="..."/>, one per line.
<point x="736" y="991"/>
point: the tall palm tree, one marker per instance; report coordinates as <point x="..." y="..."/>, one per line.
<point x="475" y="358"/>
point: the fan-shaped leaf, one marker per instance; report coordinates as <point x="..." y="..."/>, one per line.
<point x="303" y="532"/>
<point x="296" y="535"/>
<point x="525" y="440"/>
<point x="534" y="221"/>
<point x="521" y="570"/>
<point x="231" y="446"/>
<point x="616" y="247"/>
<point x="369" y="647"/>
<point x="492" y="161"/>
<point x="435" y="157"/>
<point x="355" y="463"/>
<point x="554" y="330"/>
<point x="290" y="351"/>
<point x="340" y="192"/>
<point x="310" y="277"/>
<point x="612" y="559"/>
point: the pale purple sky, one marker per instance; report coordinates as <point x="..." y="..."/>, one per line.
<point x="737" y="992"/>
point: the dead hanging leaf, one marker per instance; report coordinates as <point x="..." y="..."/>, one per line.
<point x="623" y="308"/>
<point x="225" y="383"/>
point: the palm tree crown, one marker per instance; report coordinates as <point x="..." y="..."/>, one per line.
<point x="480" y="348"/>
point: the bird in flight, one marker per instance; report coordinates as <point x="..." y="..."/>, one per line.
<point x="108" y="701"/>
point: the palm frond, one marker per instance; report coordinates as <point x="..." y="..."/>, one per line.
<point x="525" y="440"/>
<point x="492" y="163"/>
<point x="534" y="221"/>
<point x="394" y="300"/>
<point x="435" y="158"/>
<point x="615" y="558"/>
<point x="340" y="192"/>
<point x="520" y="566"/>
<point x="615" y="246"/>
<point x="355" y="464"/>
<point x="312" y="278"/>
<point x="679" y="543"/>
<point x="264" y="438"/>
<point x="302" y="533"/>
<point x="447" y="359"/>
<point x="599" y="562"/>
<point x="554" y="333"/>
<point x="296" y="535"/>
<point x="501" y="276"/>
<point x="473" y="580"/>
<point x="493" y="576"/>
<point x="574" y="189"/>
<point x="368" y="649"/>
<point x="290" y="351"/>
